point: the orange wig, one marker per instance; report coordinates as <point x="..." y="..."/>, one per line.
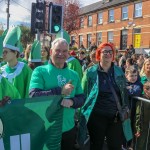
<point x="101" y="46"/>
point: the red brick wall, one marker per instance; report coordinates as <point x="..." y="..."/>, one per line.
<point x="142" y="22"/>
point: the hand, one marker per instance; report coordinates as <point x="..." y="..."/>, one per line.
<point x="129" y="87"/>
<point x="67" y="89"/>
<point x="137" y="134"/>
<point x="27" y="51"/>
<point x="67" y="103"/>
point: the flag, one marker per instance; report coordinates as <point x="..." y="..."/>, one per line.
<point x="31" y="124"/>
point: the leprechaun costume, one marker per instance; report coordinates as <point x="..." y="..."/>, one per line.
<point x="20" y="74"/>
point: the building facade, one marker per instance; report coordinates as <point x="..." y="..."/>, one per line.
<point x="122" y="22"/>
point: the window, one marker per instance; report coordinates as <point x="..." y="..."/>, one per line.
<point x="99" y="38"/>
<point x="80" y="40"/>
<point x="72" y="40"/>
<point x="124" y="39"/>
<point x="137" y="31"/>
<point x="81" y="22"/>
<point x="110" y="36"/>
<point x="89" y="20"/>
<point x="138" y="10"/>
<point x="89" y="36"/>
<point x="124" y="13"/>
<point x="100" y="18"/>
<point x="111" y="15"/>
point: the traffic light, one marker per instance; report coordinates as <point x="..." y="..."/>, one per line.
<point x="38" y="16"/>
<point x="33" y="11"/>
<point x="56" y="18"/>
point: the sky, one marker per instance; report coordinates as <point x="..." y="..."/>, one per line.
<point x="20" y="11"/>
<point x="88" y="2"/>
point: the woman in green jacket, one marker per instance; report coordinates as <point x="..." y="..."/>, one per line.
<point x="100" y="112"/>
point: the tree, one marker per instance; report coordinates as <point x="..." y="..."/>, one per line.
<point x="71" y="14"/>
<point x="71" y="18"/>
<point x="26" y="36"/>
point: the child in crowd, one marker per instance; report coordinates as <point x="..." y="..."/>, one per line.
<point x="129" y="62"/>
<point x="92" y="59"/>
<point x="143" y="120"/>
<point x="134" y="88"/>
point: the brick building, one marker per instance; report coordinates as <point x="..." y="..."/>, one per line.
<point x="122" y="22"/>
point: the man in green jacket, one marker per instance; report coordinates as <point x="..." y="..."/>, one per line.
<point x="57" y="79"/>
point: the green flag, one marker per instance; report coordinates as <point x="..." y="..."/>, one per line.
<point x="31" y="124"/>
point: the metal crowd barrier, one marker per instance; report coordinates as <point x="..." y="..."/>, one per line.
<point x="141" y="99"/>
<point x="148" y="101"/>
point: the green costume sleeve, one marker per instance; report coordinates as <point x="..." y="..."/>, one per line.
<point x="7" y="89"/>
<point x="27" y="80"/>
<point x="85" y="83"/>
<point x="23" y="60"/>
<point x="19" y="77"/>
<point x="75" y="65"/>
<point x="89" y="79"/>
<point x="143" y="79"/>
<point x="36" y="80"/>
<point x="78" y="86"/>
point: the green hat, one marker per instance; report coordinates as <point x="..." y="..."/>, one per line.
<point x="1" y="46"/>
<point x="66" y="36"/>
<point x="4" y="33"/>
<point x="20" y="47"/>
<point x="35" y="53"/>
<point x="12" y="39"/>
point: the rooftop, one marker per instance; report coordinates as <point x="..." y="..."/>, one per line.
<point x="101" y="5"/>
